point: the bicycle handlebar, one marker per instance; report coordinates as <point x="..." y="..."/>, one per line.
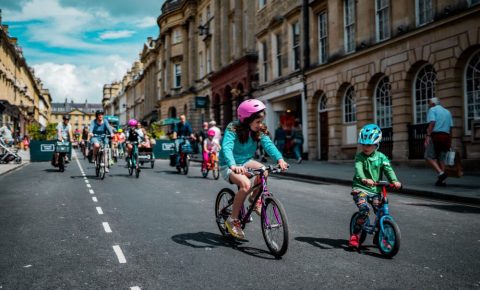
<point x="269" y="168"/>
<point x="386" y="184"/>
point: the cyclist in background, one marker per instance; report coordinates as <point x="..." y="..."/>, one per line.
<point x="134" y="134"/>
<point x="99" y="126"/>
<point x="64" y="134"/>
<point x="238" y="148"/>
<point x="210" y="145"/>
<point x="369" y="166"/>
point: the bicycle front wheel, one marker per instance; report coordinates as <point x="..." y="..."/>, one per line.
<point x="275" y="227"/>
<point x="223" y="209"/>
<point x="216" y="171"/>
<point x="186" y="164"/>
<point x="389" y="239"/>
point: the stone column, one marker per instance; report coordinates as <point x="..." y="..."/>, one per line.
<point x="250" y="44"/>
<point x="401" y="115"/>
<point x="216" y="47"/>
<point x="193" y="55"/>
<point x="225" y="29"/>
<point x="238" y="22"/>
<point x="168" y="64"/>
<point x="186" y="56"/>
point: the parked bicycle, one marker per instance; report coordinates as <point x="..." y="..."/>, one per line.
<point x="211" y="165"/>
<point x="273" y="217"/>
<point x="385" y="229"/>
<point x="103" y="155"/>
<point x="132" y="160"/>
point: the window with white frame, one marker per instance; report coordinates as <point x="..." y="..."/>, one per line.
<point x="424" y="11"/>
<point x="177" y="75"/>
<point x="349" y="28"/>
<point x="424" y="90"/>
<point x="383" y="103"/>
<point x="177" y="35"/>
<point x="296" y="45"/>
<point x="349" y="106"/>
<point x="322" y="38"/>
<point x="278" y="54"/>
<point x="382" y="19"/>
<point x="261" y="3"/>
<point x="265" y="61"/>
<point x="472" y="91"/>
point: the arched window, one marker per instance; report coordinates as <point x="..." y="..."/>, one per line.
<point x="472" y="91"/>
<point x="349" y="106"/>
<point x="383" y="103"/>
<point x="322" y="104"/>
<point x="424" y="90"/>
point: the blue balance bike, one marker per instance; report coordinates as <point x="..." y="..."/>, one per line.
<point x="386" y="231"/>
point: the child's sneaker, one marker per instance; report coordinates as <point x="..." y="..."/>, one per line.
<point x="354" y="241"/>
<point x="234" y="228"/>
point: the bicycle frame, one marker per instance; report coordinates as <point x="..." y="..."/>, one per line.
<point x="245" y="217"/>
<point x="381" y="215"/>
<point x="134" y="153"/>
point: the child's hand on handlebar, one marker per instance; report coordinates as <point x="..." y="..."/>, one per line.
<point x="368" y="182"/>
<point x="397" y="185"/>
<point x="282" y="164"/>
<point x="238" y="169"/>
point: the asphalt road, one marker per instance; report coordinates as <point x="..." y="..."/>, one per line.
<point x="53" y="235"/>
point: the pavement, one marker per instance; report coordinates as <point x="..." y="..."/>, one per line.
<point x="416" y="181"/>
<point x="72" y="230"/>
<point x="5" y="168"/>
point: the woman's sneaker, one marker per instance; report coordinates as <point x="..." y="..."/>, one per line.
<point x="234" y="228"/>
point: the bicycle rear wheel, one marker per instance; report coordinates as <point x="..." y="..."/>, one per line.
<point x="389" y="239"/>
<point x="61" y="163"/>
<point x="186" y="164"/>
<point x="223" y="209"/>
<point x="102" y="168"/>
<point x="137" y="168"/>
<point x="353" y="222"/>
<point x="275" y="226"/>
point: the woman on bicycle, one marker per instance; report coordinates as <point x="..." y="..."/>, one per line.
<point x="210" y="145"/>
<point x="238" y="148"/>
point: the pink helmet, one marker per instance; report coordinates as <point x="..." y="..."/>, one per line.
<point x="211" y="133"/>
<point x="132" y="123"/>
<point x="248" y="108"/>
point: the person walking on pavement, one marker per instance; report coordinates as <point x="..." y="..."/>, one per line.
<point x="279" y="139"/>
<point x="297" y="135"/>
<point x="218" y="132"/>
<point x="438" y="140"/>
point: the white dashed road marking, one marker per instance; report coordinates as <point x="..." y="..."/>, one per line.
<point x="119" y="253"/>
<point x="107" y="228"/>
<point x="89" y="186"/>
<point x="94" y="199"/>
<point x="135" y="288"/>
<point x="91" y="191"/>
<point x="99" y="210"/>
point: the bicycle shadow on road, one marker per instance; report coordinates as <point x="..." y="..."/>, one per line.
<point x="49" y="170"/>
<point x="324" y="243"/>
<point x="206" y="240"/>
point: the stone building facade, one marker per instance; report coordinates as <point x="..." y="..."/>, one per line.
<point x="383" y="66"/>
<point x="81" y="114"/>
<point x="23" y="100"/>
<point x="280" y="36"/>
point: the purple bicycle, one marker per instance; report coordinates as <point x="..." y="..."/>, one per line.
<point x="273" y="217"/>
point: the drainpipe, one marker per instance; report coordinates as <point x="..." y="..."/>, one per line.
<point x="306" y="66"/>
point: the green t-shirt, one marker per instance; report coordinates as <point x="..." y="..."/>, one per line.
<point x="372" y="167"/>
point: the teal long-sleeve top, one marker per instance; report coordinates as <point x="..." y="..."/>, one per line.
<point x="372" y="167"/>
<point x="235" y="153"/>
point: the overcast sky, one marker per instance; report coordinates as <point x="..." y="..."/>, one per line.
<point x="76" y="46"/>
